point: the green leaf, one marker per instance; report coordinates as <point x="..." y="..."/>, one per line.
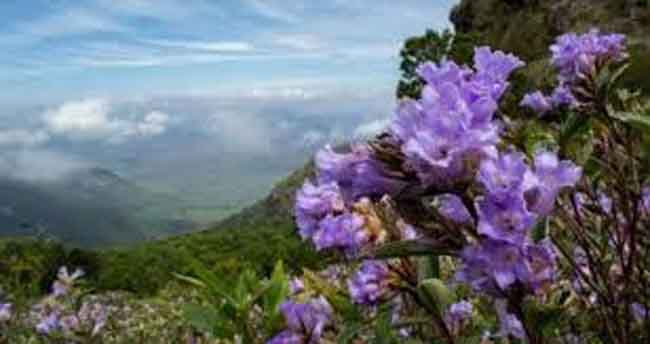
<point x="544" y="318"/>
<point x="639" y="119"/>
<point x="213" y="283"/>
<point x="435" y="295"/>
<point x="206" y="319"/>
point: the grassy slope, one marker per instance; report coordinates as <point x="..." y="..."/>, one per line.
<point x="256" y="237"/>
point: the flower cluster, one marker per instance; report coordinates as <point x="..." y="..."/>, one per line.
<point x="451" y="127"/>
<point x="305" y="321"/>
<point x="5" y="312"/>
<point x="458" y="315"/>
<point x="516" y="197"/>
<point x="576" y="57"/>
<point x="57" y="314"/>
<point x="370" y="283"/>
<point x="449" y="136"/>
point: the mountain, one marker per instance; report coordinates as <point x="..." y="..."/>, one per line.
<point x="528" y="27"/>
<point x="88" y="208"/>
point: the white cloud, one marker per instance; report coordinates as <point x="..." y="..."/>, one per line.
<point x="23" y="137"/>
<point x="38" y="165"/>
<point x="91" y="119"/>
<point x="154" y="123"/>
<point x="70" y="21"/>
<point x="372" y="128"/>
<point x="272" y="11"/>
<point x="240" y="131"/>
<point x="212" y="46"/>
<point x="305" y="42"/>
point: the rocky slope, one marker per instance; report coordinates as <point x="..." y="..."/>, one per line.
<point x="528" y="27"/>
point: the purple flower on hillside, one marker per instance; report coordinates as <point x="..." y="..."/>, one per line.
<point x="64" y="276"/>
<point x="505" y="175"/>
<point x="69" y="323"/>
<point x="450" y="129"/>
<point x="457" y="315"/>
<point x="497" y="65"/>
<point x="65" y="281"/>
<point x="510" y="325"/>
<point x="645" y="200"/>
<point x="315" y="202"/>
<point x="541" y="265"/>
<point x="357" y="173"/>
<point x="59" y="289"/>
<point x="576" y="55"/>
<point x="48" y="323"/>
<point x="95" y="314"/>
<point x="562" y="96"/>
<point x="505" y="218"/>
<point x="407" y="231"/>
<point x="640" y="312"/>
<point x="491" y="264"/>
<point x="287" y="337"/>
<point x="452" y="207"/>
<point x="435" y="74"/>
<point x="537" y="102"/>
<point x="408" y="118"/>
<point x="344" y="232"/>
<point x="370" y="283"/>
<point x="296" y="286"/>
<point x="304" y="321"/>
<point x="550" y="176"/>
<point x="5" y="312"/>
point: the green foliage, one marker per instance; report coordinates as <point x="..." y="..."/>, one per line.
<point x="433" y="46"/>
<point x="28" y="266"/>
<point x="249" y="307"/>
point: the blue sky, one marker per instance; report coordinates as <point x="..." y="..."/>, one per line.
<point x="204" y="98"/>
<point x="59" y="50"/>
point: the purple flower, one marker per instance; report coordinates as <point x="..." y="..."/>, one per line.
<point x="304" y="320"/>
<point x="640" y="312"/>
<point x="315" y="202"/>
<point x="505" y="218"/>
<point x="645" y="200"/>
<point x="562" y="96"/>
<point x="287" y="337"/>
<point x="491" y="264"/>
<point x="504" y="175"/>
<point x="509" y="323"/>
<point x="296" y="286"/>
<point x="370" y="283"/>
<point x="48" y="323"/>
<point x="344" y="232"/>
<point x="408" y="232"/>
<point x="450" y="129"/>
<point x="457" y="315"/>
<point x="59" y="289"/>
<point x="537" y="102"/>
<point x="5" y="312"/>
<point x="549" y="177"/>
<point x="64" y="276"/>
<point x="69" y="323"/>
<point x="65" y="281"/>
<point x="540" y="264"/>
<point x="497" y="65"/>
<point x="576" y="55"/>
<point x="452" y="207"/>
<point x="357" y="173"/>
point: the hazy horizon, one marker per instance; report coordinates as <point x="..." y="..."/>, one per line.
<point x="208" y="101"/>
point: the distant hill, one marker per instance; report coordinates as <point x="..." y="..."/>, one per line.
<point x="87" y="208"/>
